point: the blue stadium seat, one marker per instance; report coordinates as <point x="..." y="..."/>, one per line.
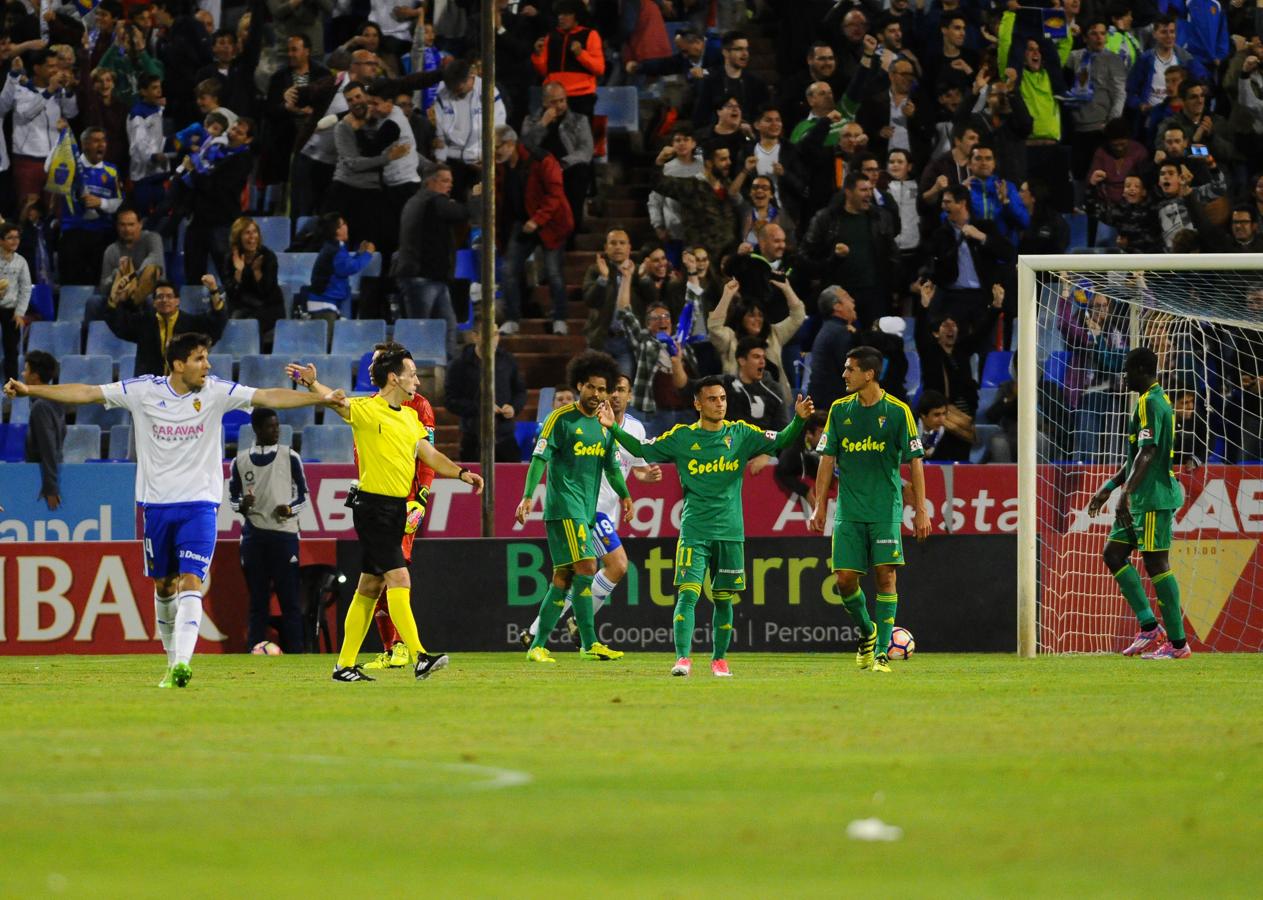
<point x="336" y="370"/>
<point x="909" y="332"/>
<point x="1078" y="223"/>
<point x="302" y="223"/>
<point x="121" y="442"/>
<point x="546" y="396"/>
<point x="912" y="382"/>
<point x="58" y="338"/>
<point x="222" y="366"/>
<point x="995" y="370"/>
<point x="354" y="336"/>
<point x="524" y="433"/>
<point x="193" y="299"/>
<point x="425" y="338"/>
<point x="363" y="380"/>
<point x="173" y="269"/>
<point x="328" y="443"/>
<point x="83" y="443"/>
<point x="275" y="231"/>
<point x="467" y="266"/>
<point x="620" y="106"/>
<point x="240" y="337"/>
<point x="986" y="396"/>
<point x="126" y="366"/>
<point x="13" y="442"/>
<point x="294" y="268"/>
<point x="297" y="418"/>
<point x="263" y="372"/>
<point x="245" y="437"/>
<point x="1055" y="367"/>
<point x="19" y="410"/>
<point x="103" y="342"/>
<point x="97" y="414"/>
<point x="72" y="302"/>
<point x="299" y="338"/>
<point x="233" y="420"/>
<point x="86" y="370"/>
<point x="982" y="442"/>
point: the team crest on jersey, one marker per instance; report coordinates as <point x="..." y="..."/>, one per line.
<point x="197" y="406"/>
<point x="881" y="421"/>
<point x="728" y="441"/>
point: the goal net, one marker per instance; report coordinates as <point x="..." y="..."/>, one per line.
<point x="1203" y="317"/>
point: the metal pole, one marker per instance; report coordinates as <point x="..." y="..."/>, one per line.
<point x="487" y="257"/>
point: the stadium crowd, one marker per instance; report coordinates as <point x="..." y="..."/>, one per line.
<point x="805" y="177"/>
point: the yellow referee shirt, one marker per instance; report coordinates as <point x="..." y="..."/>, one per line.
<point x="386" y="441"/>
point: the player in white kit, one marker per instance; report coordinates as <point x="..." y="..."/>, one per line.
<point x="178" y="423"/>
<point x="606" y="543"/>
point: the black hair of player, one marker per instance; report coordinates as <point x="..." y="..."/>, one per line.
<point x="182" y="346"/>
<point x="592" y="364"/>
<point x="388" y="362"/>
<point x="710" y="381"/>
<point x="1142" y="361"/>
<point x="867" y="359"/>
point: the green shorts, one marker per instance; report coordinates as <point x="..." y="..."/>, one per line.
<point x="858" y="546"/>
<point x="725" y="559"/>
<point x="569" y="541"/>
<point x="1150" y="531"/>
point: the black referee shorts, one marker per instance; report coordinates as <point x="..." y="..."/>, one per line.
<point x="379" y="523"/>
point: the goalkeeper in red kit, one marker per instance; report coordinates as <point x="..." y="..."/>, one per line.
<point x="395" y="652"/>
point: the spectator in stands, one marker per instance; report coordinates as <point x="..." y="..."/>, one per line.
<point x="1178" y="203"/>
<point x="15" y="295"/>
<point x="799" y="462"/>
<point x="1146" y="82"/>
<point x="967" y="262"/>
<point x="760" y="211"/>
<point x="103" y="109"/>
<point x="572" y="55"/>
<point x="1099" y="88"/>
<point x="1134" y="216"/>
<point x="250" y="279"/>
<point x="141" y="249"/>
<point x="655" y="270"/>
<point x="314" y="164"/>
<point x="952" y="62"/>
<point x="732" y="320"/>
<point x="678" y="160"/>
<point x="730" y="80"/>
<point x="128" y="59"/>
<point x="46" y="431"/>
<point x="1118" y="157"/>
<point x="836" y="338"/>
<point x="1243" y="81"/>
<point x="151" y="328"/>
<point x="458" y="118"/>
<point x="328" y="296"/>
<point x="1002" y="447"/>
<point x="401" y="176"/>
<point x="464" y="388"/>
<point x="1199" y="126"/>
<point x="423" y="265"/>
<point x="534" y="217"/>
<point x="822" y="66"/>
<point x="234" y="63"/>
<point x="217" y="203"/>
<point x="1244" y="237"/>
<point x="663" y="366"/>
<point x="754" y="395"/>
<point x="886" y="336"/>
<point x="87" y="223"/>
<point x="1048" y="231"/>
<point x="1040" y="85"/>
<point x="284" y="121"/>
<point x="894" y="117"/>
<point x="1005" y="122"/>
<point x="851" y="244"/>
<point x="690" y="60"/>
<point x="947" y="433"/>
<point x="776" y="159"/>
<point x="1190" y="448"/>
<point x="708" y="205"/>
<point x="727" y="128"/>
<point x="602" y="283"/>
<point x="993" y="198"/>
<point x="568" y="137"/>
<point x="356" y="191"/>
<point x="268" y="486"/>
<point x="1123" y="40"/>
<point x="1241" y="348"/>
<point x="945" y="365"/>
<point x="149" y="166"/>
<point x="305" y="19"/>
<point x="949" y="169"/>
<point x="1095" y="334"/>
<point x="563" y="395"/>
<point x="39" y="105"/>
<point x="756" y="266"/>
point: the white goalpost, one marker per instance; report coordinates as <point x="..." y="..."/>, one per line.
<point x="1078" y="316"/>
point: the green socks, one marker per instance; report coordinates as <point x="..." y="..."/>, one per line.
<point x="682" y="623"/>
<point x="1168" y="591"/>
<point x="550" y="611"/>
<point x="857" y="606"/>
<point x="721" y="622"/>
<point x="886" y="604"/>
<point x="1134" y="593"/>
<point x="581" y="600"/>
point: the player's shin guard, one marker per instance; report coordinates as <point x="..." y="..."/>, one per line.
<point x="1133" y="591"/>
<point x="886" y="604"/>
<point x="385" y="627"/>
<point x="399" y="601"/>
<point x="581" y="600"/>
<point x="188" y="620"/>
<point x="359" y="616"/>
<point x="602" y="587"/>
<point x="721" y="623"/>
<point x="857" y="606"/>
<point x="549" y="612"/>
<point x="1168" y="591"/>
<point x="164" y="611"/>
<point x="683" y="622"/>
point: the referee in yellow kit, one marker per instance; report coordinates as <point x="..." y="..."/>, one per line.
<point x="389" y="438"/>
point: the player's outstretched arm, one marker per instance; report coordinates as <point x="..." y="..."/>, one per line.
<point x="824" y="481"/>
<point x="69" y="394"/>
<point x="284" y="398"/>
<point x="921" y="519"/>
<point x="438" y="461"/>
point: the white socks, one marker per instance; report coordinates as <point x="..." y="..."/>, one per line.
<point x="164" y="610"/>
<point x="188" y="619"/>
<point x="602" y="587"/>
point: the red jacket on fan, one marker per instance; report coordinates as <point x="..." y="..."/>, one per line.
<point x="546" y="202"/>
<point x="577" y="72"/>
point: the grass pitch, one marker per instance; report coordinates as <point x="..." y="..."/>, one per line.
<point x="1050" y="777"/>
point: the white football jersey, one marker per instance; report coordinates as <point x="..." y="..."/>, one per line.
<point x="608" y="502"/>
<point x="179" y="437"/>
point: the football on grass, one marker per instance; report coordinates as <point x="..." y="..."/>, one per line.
<point x="265" y="648"/>
<point x="901" y="644"/>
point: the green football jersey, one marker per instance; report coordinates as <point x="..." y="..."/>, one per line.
<point x="870" y="443"/>
<point x="711" y="465"/>
<point x="578" y="450"/>
<point x="1153" y="425"/>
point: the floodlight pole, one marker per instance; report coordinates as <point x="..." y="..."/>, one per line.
<point x="487" y="260"/>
